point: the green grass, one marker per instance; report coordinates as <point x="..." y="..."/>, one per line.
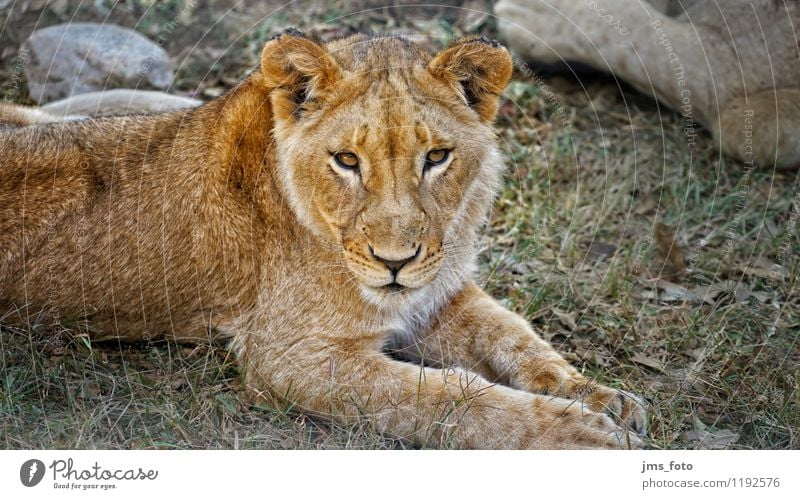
<point x="584" y="218"/>
<point x="572" y="245"/>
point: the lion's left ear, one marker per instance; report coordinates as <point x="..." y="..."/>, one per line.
<point x="478" y="69"/>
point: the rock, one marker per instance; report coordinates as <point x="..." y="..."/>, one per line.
<point x="76" y="58"/>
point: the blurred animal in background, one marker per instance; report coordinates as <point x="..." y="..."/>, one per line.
<point x="732" y="67"/>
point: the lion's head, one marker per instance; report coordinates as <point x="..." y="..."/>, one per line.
<point x="386" y="152"/>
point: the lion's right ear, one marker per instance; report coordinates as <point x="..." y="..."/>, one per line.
<point x="297" y="70"/>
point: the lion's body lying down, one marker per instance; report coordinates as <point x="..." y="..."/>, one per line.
<point x="326" y="207"/>
<point x="115" y="232"/>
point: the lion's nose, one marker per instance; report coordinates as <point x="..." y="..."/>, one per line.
<point x="394" y="265"/>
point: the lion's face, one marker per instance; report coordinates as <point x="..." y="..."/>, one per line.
<point x="382" y="150"/>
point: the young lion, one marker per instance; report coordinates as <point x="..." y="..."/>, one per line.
<point x="325" y="209"/>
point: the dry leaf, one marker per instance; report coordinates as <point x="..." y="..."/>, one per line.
<point x="588" y="353"/>
<point x="601" y="250"/>
<point x="669" y="248"/>
<point x="708" y="293"/>
<point x="89" y="390"/>
<point x="741" y="293"/>
<point x="567" y="319"/>
<point x="697" y="353"/>
<point x="765" y="268"/>
<point x="642" y="359"/>
<point x="645" y="206"/>
<point x="648" y="294"/>
<point x="670" y="291"/>
<point x="178" y="384"/>
<point x="702" y="439"/>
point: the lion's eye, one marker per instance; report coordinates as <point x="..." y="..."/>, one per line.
<point x="436" y="157"/>
<point x="346" y="160"/>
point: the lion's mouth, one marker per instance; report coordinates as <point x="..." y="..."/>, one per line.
<point x="394" y="288"/>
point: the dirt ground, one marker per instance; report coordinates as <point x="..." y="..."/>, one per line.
<point x="664" y="269"/>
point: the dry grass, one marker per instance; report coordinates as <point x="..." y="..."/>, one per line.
<point x="650" y="265"/>
<point x="61" y="391"/>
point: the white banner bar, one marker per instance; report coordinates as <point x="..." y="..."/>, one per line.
<point x="389" y="474"/>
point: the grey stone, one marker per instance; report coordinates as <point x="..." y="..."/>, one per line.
<point x="70" y="59"/>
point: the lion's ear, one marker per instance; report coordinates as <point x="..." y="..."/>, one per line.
<point x="478" y="69"/>
<point x="297" y="70"/>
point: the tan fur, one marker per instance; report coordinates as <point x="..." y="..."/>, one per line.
<point x="234" y="219"/>
<point x="11" y="115"/>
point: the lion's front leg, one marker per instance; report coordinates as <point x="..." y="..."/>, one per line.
<point x="344" y="379"/>
<point x="477" y="333"/>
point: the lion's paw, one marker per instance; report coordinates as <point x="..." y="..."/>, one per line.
<point x="572" y="424"/>
<point x="627" y="409"/>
